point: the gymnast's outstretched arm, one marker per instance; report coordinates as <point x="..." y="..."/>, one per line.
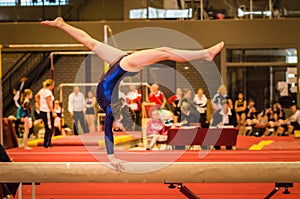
<point x="137" y="60"/>
<point x="105" y="52"/>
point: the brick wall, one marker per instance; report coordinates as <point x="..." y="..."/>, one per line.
<point x="199" y="74"/>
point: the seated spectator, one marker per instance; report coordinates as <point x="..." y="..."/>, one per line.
<point x="200" y="101"/>
<point x="155" y="128"/>
<point x="157" y="96"/>
<point x="189" y="116"/>
<point x="59" y="130"/>
<point x="251" y="116"/>
<point x="175" y="102"/>
<point x="224" y="116"/>
<point x="271" y="120"/>
<point x="240" y="106"/>
<point x="279" y="118"/>
<point x="294" y="120"/>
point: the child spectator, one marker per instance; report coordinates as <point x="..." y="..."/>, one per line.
<point x="155" y="128"/>
<point x="59" y="130"/>
<point x="24" y="117"/>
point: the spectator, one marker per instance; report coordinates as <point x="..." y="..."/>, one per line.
<point x="224" y="116"/>
<point x="279" y="117"/>
<point x="90" y="114"/>
<point x="189" y="116"/>
<point x="251" y="113"/>
<point x="124" y="116"/>
<point x="270" y="120"/>
<point x="240" y="106"/>
<point x="251" y="117"/>
<point x="187" y="96"/>
<point x="44" y="99"/>
<point x="18" y="91"/>
<point x="58" y="119"/>
<point x="219" y="97"/>
<point x="157" y="96"/>
<point x="175" y="101"/>
<point x="294" y="120"/>
<point x="200" y="102"/>
<point x="133" y="99"/>
<point x="76" y="107"/>
<point x="24" y="117"/>
<point x="155" y="128"/>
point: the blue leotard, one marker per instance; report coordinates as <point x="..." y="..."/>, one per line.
<point x="107" y="94"/>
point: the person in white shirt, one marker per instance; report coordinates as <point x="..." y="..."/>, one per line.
<point x="44" y="99"/>
<point x="200" y="102"/>
<point x="76" y="107"/>
<point x="294" y="120"/>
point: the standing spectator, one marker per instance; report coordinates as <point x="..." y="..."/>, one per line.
<point x="155" y="128"/>
<point x="133" y="99"/>
<point x="175" y="101"/>
<point x="18" y="91"/>
<point x="157" y="96"/>
<point x="44" y="99"/>
<point x="90" y="111"/>
<point x="224" y="116"/>
<point x="240" y="106"/>
<point x="219" y="97"/>
<point x="187" y="96"/>
<point x="76" y="107"/>
<point x="200" y="102"/>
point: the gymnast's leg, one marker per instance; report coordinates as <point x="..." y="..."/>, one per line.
<point x="105" y="52"/>
<point x="136" y="61"/>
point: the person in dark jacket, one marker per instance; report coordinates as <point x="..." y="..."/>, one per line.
<point x="224" y="117"/>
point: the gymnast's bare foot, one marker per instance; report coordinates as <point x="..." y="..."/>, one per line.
<point x="214" y="50"/>
<point x="55" y="23"/>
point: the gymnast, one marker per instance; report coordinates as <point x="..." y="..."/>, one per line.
<point x="122" y="64"/>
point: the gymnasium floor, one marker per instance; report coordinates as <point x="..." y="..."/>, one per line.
<point x="89" y="148"/>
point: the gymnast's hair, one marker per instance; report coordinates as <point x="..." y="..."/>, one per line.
<point x="127" y="113"/>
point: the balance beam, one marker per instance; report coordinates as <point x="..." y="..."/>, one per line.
<point x="150" y="172"/>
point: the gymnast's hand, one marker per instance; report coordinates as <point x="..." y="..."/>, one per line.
<point x="116" y="163"/>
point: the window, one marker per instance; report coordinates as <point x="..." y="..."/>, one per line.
<point x="155" y="13"/>
<point x="8" y="2"/>
<point x="43" y="2"/>
<point x="33" y="2"/>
